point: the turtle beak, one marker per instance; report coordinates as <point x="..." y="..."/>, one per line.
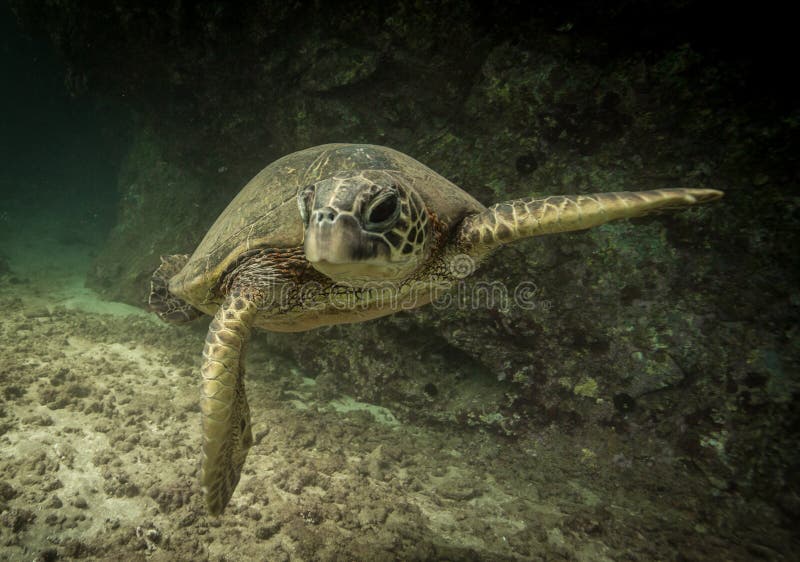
<point x="337" y="238"/>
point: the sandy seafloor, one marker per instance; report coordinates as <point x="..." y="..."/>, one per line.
<point x="100" y="435"/>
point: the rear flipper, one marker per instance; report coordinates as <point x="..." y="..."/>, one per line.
<point x="167" y="306"/>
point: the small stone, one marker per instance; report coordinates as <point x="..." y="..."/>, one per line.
<point x="265" y="532"/>
<point x="153" y="535"/>
<point x="47" y="555"/>
<point x="7" y="492"/>
<point x="38" y="312"/>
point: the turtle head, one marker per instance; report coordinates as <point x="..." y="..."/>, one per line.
<point x="364" y="226"/>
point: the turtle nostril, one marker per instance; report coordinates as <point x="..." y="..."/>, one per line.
<point x="325" y="214"/>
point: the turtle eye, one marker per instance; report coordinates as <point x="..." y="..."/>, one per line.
<point x="383" y="212"/>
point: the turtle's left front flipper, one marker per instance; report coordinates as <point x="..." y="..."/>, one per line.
<point x="227" y="436"/>
<point x="522" y="218"/>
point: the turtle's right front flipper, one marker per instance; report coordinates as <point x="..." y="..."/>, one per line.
<point x="227" y="436"/>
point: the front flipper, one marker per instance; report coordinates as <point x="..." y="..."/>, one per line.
<point x="522" y="218"/>
<point x="226" y="416"/>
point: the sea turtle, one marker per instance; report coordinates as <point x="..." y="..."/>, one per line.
<point x="342" y="233"/>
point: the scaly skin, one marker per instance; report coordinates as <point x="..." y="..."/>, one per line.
<point x="227" y="436"/>
<point x="522" y="218"/>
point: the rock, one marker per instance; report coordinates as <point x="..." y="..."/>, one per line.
<point x="38" y="312"/>
<point x="7" y="492"/>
